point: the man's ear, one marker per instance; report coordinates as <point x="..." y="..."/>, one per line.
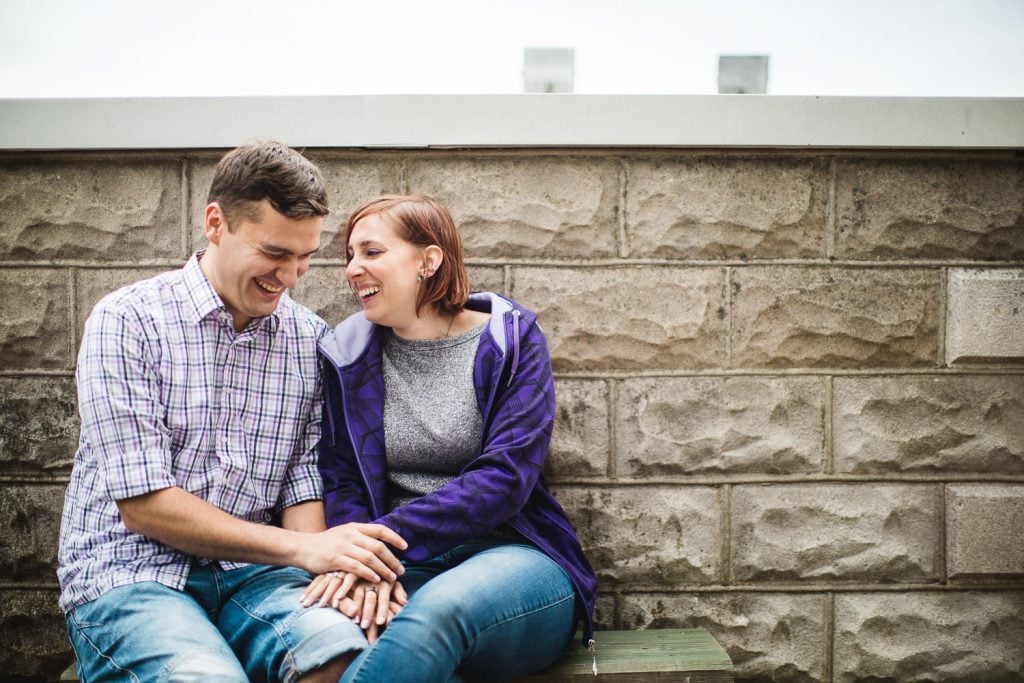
<point x="432" y="258"/>
<point x="216" y="223"/>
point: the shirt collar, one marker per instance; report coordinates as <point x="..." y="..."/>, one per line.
<point x="206" y="301"/>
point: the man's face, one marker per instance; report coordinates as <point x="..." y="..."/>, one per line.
<point x="251" y="266"/>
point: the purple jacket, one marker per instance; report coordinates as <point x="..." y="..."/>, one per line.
<point x="516" y="396"/>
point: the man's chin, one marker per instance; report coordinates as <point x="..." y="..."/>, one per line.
<point x="263" y="310"/>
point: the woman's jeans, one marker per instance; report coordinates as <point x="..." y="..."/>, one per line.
<point x="492" y="611"/>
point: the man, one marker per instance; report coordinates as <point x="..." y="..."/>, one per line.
<point x="194" y="510"/>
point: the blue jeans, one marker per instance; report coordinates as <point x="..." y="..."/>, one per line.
<point x="491" y="611"/>
<point x="239" y="625"/>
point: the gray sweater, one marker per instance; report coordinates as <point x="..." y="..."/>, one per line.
<point x="432" y="425"/>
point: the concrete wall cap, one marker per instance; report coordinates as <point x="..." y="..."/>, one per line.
<point x="511" y="121"/>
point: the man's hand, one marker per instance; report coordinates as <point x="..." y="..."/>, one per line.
<point x="360" y="549"/>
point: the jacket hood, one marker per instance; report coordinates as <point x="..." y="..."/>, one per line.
<point x="350" y="339"/>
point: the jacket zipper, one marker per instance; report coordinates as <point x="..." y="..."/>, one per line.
<point x="352" y="440"/>
<point x="497" y="382"/>
<point x="515" y="346"/>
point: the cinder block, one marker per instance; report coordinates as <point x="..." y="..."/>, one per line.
<point x="201" y="170"/>
<point x="948" y="423"/>
<point x="929" y="636"/>
<point x="834" y="317"/>
<point x="683" y="426"/>
<point x="984" y="524"/>
<point x="535" y="206"/>
<point x="604" y="612"/>
<point x="985" y="316"/>
<point x="128" y="209"/>
<point x="726" y="207"/>
<point x="35" y="328"/>
<point x="28" y="536"/>
<point x="33" y="641"/>
<point x="351" y="181"/>
<point x="38" y="422"/>
<point x="769" y="636"/>
<point x="627" y="318"/>
<point x="647" y="536"/>
<point x="930" y="208"/>
<point x="487" y="279"/>
<point x="835" y="532"/>
<point x="580" y="444"/>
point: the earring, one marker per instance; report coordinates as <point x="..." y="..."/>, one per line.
<point x="419" y="277"/>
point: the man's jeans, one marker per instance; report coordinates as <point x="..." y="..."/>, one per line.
<point x="239" y="625"/>
<point x="492" y="611"/>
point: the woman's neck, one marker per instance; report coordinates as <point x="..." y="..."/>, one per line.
<point x="438" y="325"/>
<point x="432" y="325"/>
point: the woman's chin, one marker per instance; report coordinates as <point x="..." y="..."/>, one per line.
<point x="375" y="317"/>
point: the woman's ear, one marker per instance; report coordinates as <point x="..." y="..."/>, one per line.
<point x="432" y="258"/>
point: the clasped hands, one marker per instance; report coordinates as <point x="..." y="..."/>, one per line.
<point x="371" y="605"/>
<point x="356" y="573"/>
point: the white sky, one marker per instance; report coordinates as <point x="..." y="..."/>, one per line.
<point x="90" y="48"/>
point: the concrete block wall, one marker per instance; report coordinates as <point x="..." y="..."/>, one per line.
<point x="790" y="383"/>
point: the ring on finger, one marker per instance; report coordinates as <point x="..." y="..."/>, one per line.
<point x="371" y="589"/>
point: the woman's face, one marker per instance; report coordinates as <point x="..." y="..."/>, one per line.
<point x="384" y="270"/>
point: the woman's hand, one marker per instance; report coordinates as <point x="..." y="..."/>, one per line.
<point x="372" y="605"/>
<point x="329" y="588"/>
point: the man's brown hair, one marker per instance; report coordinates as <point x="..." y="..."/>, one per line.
<point x="267" y="170"/>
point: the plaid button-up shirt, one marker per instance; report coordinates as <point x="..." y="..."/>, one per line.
<point x="171" y="395"/>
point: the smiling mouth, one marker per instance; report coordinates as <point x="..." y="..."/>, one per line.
<point x="366" y="292"/>
<point x="267" y="287"/>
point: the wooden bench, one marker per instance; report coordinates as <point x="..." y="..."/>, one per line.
<point x="689" y="655"/>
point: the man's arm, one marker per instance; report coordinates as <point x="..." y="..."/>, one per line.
<point x="308" y="517"/>
<point x="190" y="524"/>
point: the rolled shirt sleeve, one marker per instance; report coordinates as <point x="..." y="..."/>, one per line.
<point x="123" y="422"/>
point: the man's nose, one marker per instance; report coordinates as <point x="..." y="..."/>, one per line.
<point x="288" y="273"/>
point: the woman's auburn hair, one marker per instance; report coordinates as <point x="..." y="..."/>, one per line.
<point x="422" y="221"/>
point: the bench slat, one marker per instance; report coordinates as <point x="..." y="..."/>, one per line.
<point x="662" y="655"/>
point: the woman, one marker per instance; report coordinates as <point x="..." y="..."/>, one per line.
<point x="438" y="412"/>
